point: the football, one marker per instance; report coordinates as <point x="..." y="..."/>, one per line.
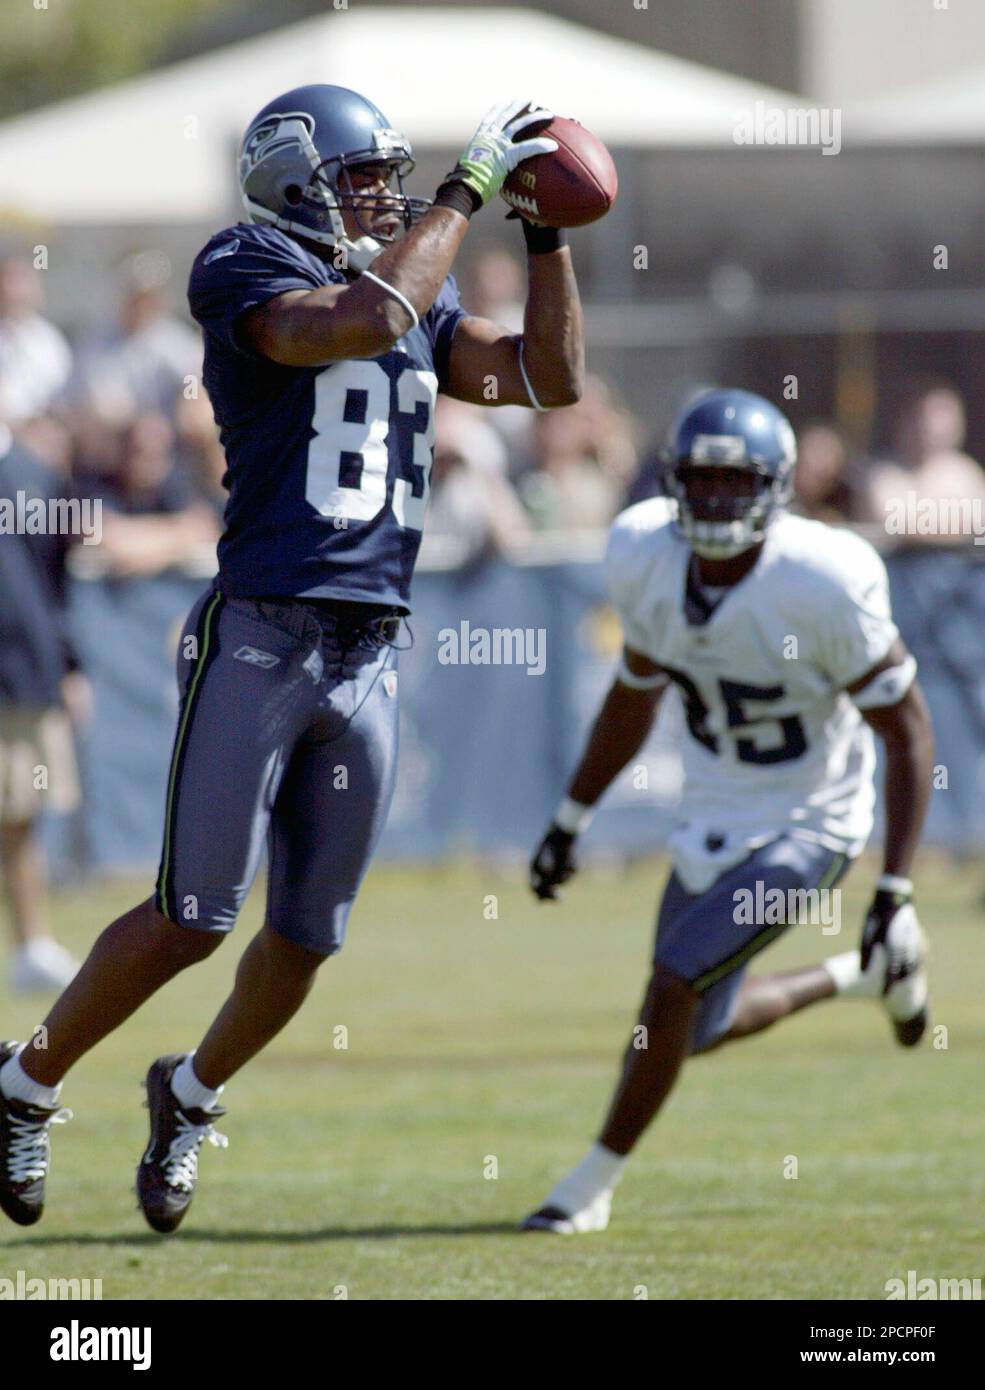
<point x="575" y="185"/>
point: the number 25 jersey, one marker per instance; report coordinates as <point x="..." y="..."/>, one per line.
<point x="327" y="467"/>
<point x="773" y="746"/>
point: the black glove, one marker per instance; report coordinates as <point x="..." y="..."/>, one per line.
<point x="885" y="905"/>
<point x="554" y="862"/>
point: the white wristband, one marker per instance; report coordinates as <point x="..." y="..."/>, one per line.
<point x="892" y="883"/>
<point x="627" y="677"/>
<point x="406" y="304"/>
<point x="573" y="817"/>
<point x="526" y="381"/>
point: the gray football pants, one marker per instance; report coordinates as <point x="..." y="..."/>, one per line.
<point x="287" y="732"/>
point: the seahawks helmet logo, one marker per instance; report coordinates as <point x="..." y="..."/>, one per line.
<point x="275" y="135"/>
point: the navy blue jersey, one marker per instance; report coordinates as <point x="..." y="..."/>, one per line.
<point x="327" y="467"/>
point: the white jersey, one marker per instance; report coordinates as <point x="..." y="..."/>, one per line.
<point x="774" y="746"/>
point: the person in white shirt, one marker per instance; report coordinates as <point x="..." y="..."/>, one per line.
<point x="144" y="361"/>
<point x="777" y="635"/>
<point x="35" y="359"/>
<point x="932" y="492"/>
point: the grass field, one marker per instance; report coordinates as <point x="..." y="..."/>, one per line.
<point x="474" y="1042"/>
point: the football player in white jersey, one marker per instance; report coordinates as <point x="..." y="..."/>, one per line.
<point x="776" y="634"/>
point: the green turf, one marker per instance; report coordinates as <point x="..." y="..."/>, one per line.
<point x="479" y="1045"/>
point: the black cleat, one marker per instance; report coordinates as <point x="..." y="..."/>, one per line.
<point x="25" y="1152"/>
<point x="549" y="1219"/>
<point x="909" y="1031"/>
<point x="593" y="1216"/>
<point x="168" y="1171"/>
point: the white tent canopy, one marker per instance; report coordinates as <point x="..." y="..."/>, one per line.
<point x="159" y="148"/>
<point x="947" y="111"/>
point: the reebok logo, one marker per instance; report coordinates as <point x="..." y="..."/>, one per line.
<point x="253" y="656"/>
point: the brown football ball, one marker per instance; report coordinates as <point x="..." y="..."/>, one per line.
<point x="575" y="185"/>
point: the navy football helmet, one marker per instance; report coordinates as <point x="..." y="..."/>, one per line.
<point x="729" y="464"/>
<point x="296" y="163"/>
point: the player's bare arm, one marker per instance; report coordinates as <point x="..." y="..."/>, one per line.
<point x="619" y="731"/>
<point x="553" y="344"/>
<point x="309" y="328"/>
<point x="622" y="725"/>
<point x="907" y="737"/>
<point x="908" y="740"/>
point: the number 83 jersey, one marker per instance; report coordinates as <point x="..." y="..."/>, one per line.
<point x="327" y="467"/>
<point x="773" y="746"/>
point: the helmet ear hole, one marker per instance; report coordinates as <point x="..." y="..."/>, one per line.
<point x="293" y="194"/>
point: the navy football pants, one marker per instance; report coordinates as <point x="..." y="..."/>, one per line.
<point x="287" y="732"/>
<point x="699" y="938"/>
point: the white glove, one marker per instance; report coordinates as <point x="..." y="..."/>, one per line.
<point x="493" y="152"/>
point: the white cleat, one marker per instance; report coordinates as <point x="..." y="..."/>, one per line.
<point x="42" y="966"/>
<point x="593" y="1217"/>
<point x="904" y="991"/>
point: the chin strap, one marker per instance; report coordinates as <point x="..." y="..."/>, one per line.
<point x="359" y="254"/>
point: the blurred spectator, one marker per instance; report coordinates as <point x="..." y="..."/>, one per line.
<point x="496" y="288"/>
<point x="929" y="467"/>
<point x="142" y="361"/>
<point x="649" y="479"/>
<point x="826" y="486"/>
<point x="154" y="519"/>
<point x="40" y="686"/>
<point x="587" y="454"/>
<point x="473" y="511"/>
<point x="35" y="359"/>
<point x="49" y="439"/>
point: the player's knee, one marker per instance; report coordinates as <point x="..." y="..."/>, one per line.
<point x="669" y="995"/>
<point x="763" y="1002"/>
<point x="291" y="956"/>
<point x="184" y="945"/>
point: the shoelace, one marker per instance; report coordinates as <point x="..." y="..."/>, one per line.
<point x="181" y="1165"/>
<point x="30" y="1148"/>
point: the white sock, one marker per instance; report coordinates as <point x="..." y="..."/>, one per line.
<point x="17" y="1085"/>
<point x="598" y="1172"/>
<point x="846" y="972"/>
<point x="189" y="1091"/>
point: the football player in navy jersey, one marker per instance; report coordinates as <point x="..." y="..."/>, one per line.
<point x="331" y="321"/>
